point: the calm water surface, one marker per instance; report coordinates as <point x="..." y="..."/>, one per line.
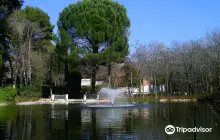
<point x="73" y="122"/>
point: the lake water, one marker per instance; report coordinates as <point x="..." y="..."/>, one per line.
<point x="74" y="122"/>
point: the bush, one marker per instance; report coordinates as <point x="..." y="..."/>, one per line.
<point x="31" y="91"/>
<point x="88" y="89"/>
<point x="85" y="89"/>
<point x="143" y="100"/>
<point x="8" y="94"/>
<point x="27" y="99"/>
<point x="59" y="90"/>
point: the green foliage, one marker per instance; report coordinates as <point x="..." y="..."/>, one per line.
<point x="88" y="89"/>
<point x="160" y="80"/>
<point x="85" y="89"/>
<point x="139" y="100"/>
<point x="0" y="59"/>
<point x="6" y="8"/>
<point x="101" y="23"/>
<point x="1" y="52"/>
<point x="160" y="94"/>
<point x="143" y="100"/>
<point x="31" y="91"/>
<point x="35" y="14"/>
<point x="3" y="68"/>
<point x="98" y="29"/>
<point x="38" y="79"/>
<point x="117" y="51"/>
<point x="8" y="94"/>
<point x="129" y="70"/>
<point x="27" y="99"/>
<point x="101" y="20"/>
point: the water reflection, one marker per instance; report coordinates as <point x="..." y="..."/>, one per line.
<point x="70" y="122"/>
<point x="59" y="111"/>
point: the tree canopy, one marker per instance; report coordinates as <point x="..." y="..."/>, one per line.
<point x="35" y="14"/>
<point x="6" y="8"/>
<point x="98" y="27"/>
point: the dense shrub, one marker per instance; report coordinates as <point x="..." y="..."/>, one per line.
<point x="59" y="90"/>
<point x="85" y="89"/>
<point x="27" y="99"/>
<point x="31" y="91"/>
<point x="8" y="94"/>
<point x="88" y="89"/>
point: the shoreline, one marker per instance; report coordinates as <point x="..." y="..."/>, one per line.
<point x="89" y="101"/>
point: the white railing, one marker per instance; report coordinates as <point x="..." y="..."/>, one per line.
<point x="59" y="97"/>
<point x="90" y="96"/>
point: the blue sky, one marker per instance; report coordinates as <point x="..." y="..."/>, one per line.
<point x="155" y="20"/>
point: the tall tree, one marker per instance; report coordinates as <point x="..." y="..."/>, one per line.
<point x="67" y="60"/>
<point x="22" y="40"/>
<point x="131" y="76"/>
<point x="95" y="25"/>
<point x="38" y="16"/>
<point x="6" y="8"/>
<point x="35" y="14"/>
<point x="117" y="53"/>
<point x="1" y="52"/>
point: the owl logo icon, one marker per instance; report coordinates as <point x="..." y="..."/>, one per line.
<point x="169" y="129"/>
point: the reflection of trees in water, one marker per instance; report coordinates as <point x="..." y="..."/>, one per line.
<point x="35" y="122"/>
<point x="113" y="123"/>
<point x="96" y="122"/>
<point x="29" y="123"/>
<point x="86" y="115"/>
<point x="86" y="123"/>
<point x="59" y="111"/>
<point x="110" y="118"/>
<point x="21" y="127"/>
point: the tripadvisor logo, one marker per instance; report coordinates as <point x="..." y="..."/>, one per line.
<point x="170" y="129"/>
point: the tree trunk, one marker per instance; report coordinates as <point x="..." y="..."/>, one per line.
<point x="14" y="81"/>
<point x="140" y="83"/>
<point x="131" y="86"/>
<point x="25" y="78"/>
<point x="167" y="80"/>
<point x="94" y="69"/>
<point x="51" y="92"/>
<point x="156" y="84"/>
<point x="29" y="62"/>
<point x="131" y="79"/>
<point x="11" y="69"/>
<point x="171" y="88"/>
<point x="207" y="85"/>
<point x="20" y="81"/>
<point x="109" y="81"/>
<point x="66" y="73"/>
<point x="109" y="74"/>
<point x="93" y="81"/>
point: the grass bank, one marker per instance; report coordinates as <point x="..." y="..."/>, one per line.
<point x="27" y="99"/>
<point x="153" y="99"/>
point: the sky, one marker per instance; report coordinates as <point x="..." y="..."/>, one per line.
<point x="155" y="20"/>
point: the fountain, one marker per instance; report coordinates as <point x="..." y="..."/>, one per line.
<point x="111" y="94"/>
